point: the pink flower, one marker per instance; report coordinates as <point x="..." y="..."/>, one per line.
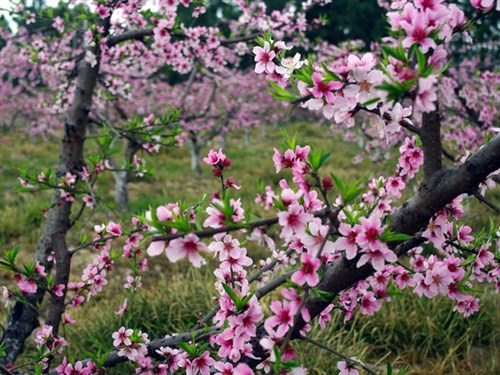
<point x="66" y="368"/>
<point x="200" y="365"/>
<point x="464" y="234"/>
<point x="102" y="11"/>
<point x="438" y="279"/>
<point x="367" y="62"/>
<point x="26" y="286"/>
<point x="348" y="241"/>
<point x="314" y="242"/>
<point x="368" y="304"/>
<point x="39" y="269"/>
<point x="348" y="368"/>
<point x="215" y="158"/>
<point x="114" y="229"/>
<point x="188" y="246"/>
<point x="323" y="88"/>
<point x="308" y="271"/>
<point x="294" y="219"/>
<point x="483" y="5"/>
<point x="121" y="337"/>
<point x="264" y="58"/>
<point x="370" y="230"/>
<point x="394" y="185"/>
<point x="325" y="316"/>
<point x="282" y="319"/>
<point x="123" y="308"/>
<point x="58" y="289"/>
<point x="427" y="94"/>
<point x="230" y="345"/>
<point x="377" y="257"/>
<point x="467" y="306"/>
<point x="43" y="335"/>
<point x="418" y="31"/>
<point x="156" y="248"/>
<point x="172" y="358"/>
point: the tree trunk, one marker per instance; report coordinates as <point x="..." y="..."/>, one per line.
<point x="224" y="141"/>
<point x="23" y="317"/>
<point x="195" y="154"/>
<point x="122" y="178"/>
<point x="121" y="190"/>
<point x="246" y="139"/>
<point x="263" y="132"/>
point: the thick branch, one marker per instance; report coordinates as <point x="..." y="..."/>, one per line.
<point x="136" y="34"/>
<point x="431" y="143"/>
<point x="410" y="218"/>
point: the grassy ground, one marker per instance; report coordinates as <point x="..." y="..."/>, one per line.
<point x="424" y="334"/>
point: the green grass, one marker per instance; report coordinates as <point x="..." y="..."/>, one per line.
<point x="425" y="334"/>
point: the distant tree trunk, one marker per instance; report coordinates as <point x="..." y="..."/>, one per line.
<point x="263" y="131"/>
<point x="246" y="138"/>
<point x="121" y="190"/>
<point x="122" y="178"/>
<point x="195" y="152"/>
<point x="224" y="141"/>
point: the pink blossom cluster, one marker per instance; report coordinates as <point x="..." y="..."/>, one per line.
<point x="238" y="322"/>
<point x="78" y="368"/>
<point x="131" y="344"/>
<point x="47" y="342"/>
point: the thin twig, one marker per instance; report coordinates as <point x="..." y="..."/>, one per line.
<point x="487" y="202"/>
<point x="338" y="354"/>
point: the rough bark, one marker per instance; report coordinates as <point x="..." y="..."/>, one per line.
<point x="431" y="143"/>
<point x="23" y="318"/>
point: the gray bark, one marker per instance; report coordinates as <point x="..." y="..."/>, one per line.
<point x="195" y="153"/>
<point x="23" y="317"/>
<point x="122" y="178"/>
<point x="121" y="190"/>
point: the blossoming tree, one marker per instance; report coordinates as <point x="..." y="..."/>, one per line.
<point x="338" y="245"/>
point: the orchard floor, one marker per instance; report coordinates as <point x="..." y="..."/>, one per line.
<point x="424" y="334"/>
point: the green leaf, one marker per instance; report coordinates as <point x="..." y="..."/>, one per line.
<point x="190" y="349"/>
<point x="421" y="61"/>
<point x="279" y="92"/>
<point x="470" y="259"/>
<point x="397" y="53"/>
<point x="329" y="75"/>
<point x="353" y="193"/>
<point x="339" y="185"/>
<point x="236" y="299"/>
<point x="390" y="236"/>
<point x="322" y="294"/>
<point x="371" y="101"/>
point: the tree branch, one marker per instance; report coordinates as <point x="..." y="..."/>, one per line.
<point x="410" y="218"/>
<point x="431" y="143"/>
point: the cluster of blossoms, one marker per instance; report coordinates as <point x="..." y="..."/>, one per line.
<point x="78" y="368"/>
<point x="240" y="311"/>
<point x="131" y="344"/>
<point x="179" y="248"/>
<point x="47" y="343"/>
<point x="409" y="67"/>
